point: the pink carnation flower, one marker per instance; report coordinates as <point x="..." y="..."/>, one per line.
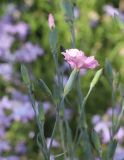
<point x="51" y="21"/>
<point x="77" y="59"/>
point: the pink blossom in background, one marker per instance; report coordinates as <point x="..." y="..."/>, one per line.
<point x="77" y="59"/>
<point x="51" y="21"/>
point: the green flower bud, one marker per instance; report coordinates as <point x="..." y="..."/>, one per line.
<point x="96" y="78"/>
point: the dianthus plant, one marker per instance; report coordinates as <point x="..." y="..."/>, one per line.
<point x="81" y="144"/>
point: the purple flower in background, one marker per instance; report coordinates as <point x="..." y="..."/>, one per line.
<point x="5" y="120"/>
<point x="64" y="80"/>
<point x="119" y="154"/>
<point x="115" y="111"/>
<point x="21" y="148"/>
<point x="2" y="132"/>
<point x="110" y="10"/>
<point x="6" y="42"/>
<point x="96" y="119"/>
<point x="82" y="72"/>
<point x="120" y="135"/>
<point x="4" y="146"/>
<point x="6" y="71"/>
<point x="76" y="12"/>
<point x="103" y="129"/>
<point x="10" y="158"/>
<point x="5" y="103"/>
<point x="68" y="114"/>
<point x="65" y="67"/>
<point x="9" y="31"/>
<point x="102" y="125"/>
<point x="55" y="143"/>
<point x="52" y="157"/>
<point x="28" y="53"/>
<point x="20" y="111"/>
<point x="19" y="96"/>
<point x="47" y="106"/>
<point x="22" y="30"/>
<point x="8" y="28"/>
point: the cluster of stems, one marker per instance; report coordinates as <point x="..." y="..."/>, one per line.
<point x="70" y="143"/>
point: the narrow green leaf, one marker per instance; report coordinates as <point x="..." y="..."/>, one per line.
<point x="44" y="87"/>
<point x="41" y="113"/>
<point x="69" y="141"/>
<point x="111" y="149"/>
<point x="108" y="71"/>
<point x="53" y="39"/>
<point x="68" y="9"/>
<point x="96" y="142"/>
<point x="68" y="133"/>
<point x="118" y="122"/>
<point x="86" y="145"/>
<point x="25" y="75"/>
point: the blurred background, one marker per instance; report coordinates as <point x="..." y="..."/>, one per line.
<point x="24" y="38"/>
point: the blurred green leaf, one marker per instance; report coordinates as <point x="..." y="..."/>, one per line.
<point x="41" y="113"/>
<point x="108" y="71"/>
<point x="96" y="142"/>
<point x="111" y="149"/>
<point x="53" y="39"/>
<point x="25" y="75"/>
<point x="68" y="9"/>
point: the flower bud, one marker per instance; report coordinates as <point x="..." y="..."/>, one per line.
<point x="51" y="21"/>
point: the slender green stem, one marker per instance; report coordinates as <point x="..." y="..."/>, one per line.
<point x="112" y="100"/>
<point x="61" y="128"/>
<point x="40" y="126"/>
<point x="82" y="127"/>
<point x="55" y="57"/>
<point x="56" y="120"/>
<point x="79" y="91"/>
<point x="72" y="34"/>
<point x="53" y="132"/>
